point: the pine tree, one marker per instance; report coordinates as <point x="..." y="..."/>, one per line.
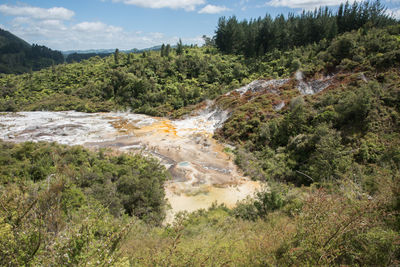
<point x="248" y="37"/>
<point x="116" y="56"/>
<point x="179" y="48"/>
<point x="162" y="50"/>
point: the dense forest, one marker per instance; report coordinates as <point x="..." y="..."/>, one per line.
<point x="146" y="83"/>
<point x="331" y="160"/>
<point x="258" y="36"/>
<point x="78" y="57"/>
<point x="17" y="56"/>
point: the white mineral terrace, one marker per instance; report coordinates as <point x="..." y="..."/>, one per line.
<point x="202" y="173"/>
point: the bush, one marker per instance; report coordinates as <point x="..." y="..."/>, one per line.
<point x="129" y="184"/>
<point x="263" y="203"/>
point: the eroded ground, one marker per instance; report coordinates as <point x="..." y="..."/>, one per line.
<point x="202" y="172"/>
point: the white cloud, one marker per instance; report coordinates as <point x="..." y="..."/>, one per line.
<point x="243" y="5"/>
<point x="51" y="24"/>
<point x="95" y="27"/>
<point x="211" y="9"/>
<point x="61" y="35"/>
<point x="52" y="27"/>
<point x="58" y="13"/>
<point x="188" y="5"/>
<point x="394" y="12"/>
<point x="308" y="4"/>
<point x="20" y="20"/>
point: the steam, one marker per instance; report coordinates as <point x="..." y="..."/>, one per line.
<point x="311" y="87"/>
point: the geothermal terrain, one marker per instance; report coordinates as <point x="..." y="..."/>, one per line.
<point x="202" y="173"/>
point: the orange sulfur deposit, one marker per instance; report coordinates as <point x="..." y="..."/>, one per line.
<point x="202" y="173"/>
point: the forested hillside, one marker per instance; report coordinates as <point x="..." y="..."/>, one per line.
<point x="17" y="56"/>
<point x="324" y="136"/>
<point x="77" y="57"/>
<point x="330" y="158"/>
<point x="146" y="83"/>
<point x="158" y="84"/>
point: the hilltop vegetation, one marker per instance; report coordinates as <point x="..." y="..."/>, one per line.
<point x="77" y="57"/>
<point x="17" y="56"/>
<point x="258" y="36"/>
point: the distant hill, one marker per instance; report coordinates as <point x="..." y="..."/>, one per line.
<point x="89" y="51"/>
<point x="79" y="55"/>
<point x="17" y="56"/>
<point x="110" y="51"/>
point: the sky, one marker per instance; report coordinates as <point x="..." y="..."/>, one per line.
<point x="126" y="24"/>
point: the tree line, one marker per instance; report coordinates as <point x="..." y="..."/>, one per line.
<point x="77" y="57"/>
<point x="258" y="36"/>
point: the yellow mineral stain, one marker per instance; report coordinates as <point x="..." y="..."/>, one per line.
<point x="207" y="175"/>
<point x="202" y="173"/>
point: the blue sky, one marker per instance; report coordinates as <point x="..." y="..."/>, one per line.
<point x="127" y="24"/>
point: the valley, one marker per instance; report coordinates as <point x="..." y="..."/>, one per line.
<point x="276" y="143"/>
<point x="202" y="173"/>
